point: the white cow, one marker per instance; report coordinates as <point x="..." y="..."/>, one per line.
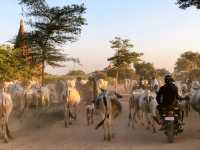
<point x="45" y="96"/>
<point x="60" y="88"/>
<point x="130" y="84"/>
<point x="71" y="102"/>
<point x="143" y="102"/>
<point x="195" y="100"/>
<point x="6" y="106"/>
<point x="17" y="93"/>
<point x="155" y="85"/>
<point x="32" y="97"/>
<point x="110" y="107"/>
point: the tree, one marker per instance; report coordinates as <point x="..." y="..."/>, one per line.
<point x="51" y="27"/>
<point x="195" y="74"/>
<point x="145" y="70"/>
<point x="13" y="65"/>
<point x="188" y="3"/>
<point x="162" y="72"/>
<point x="123" y="73"/>
<point x="124" y="56"/>
<point x="76" y="73"/>
<point x="188" y="61"/>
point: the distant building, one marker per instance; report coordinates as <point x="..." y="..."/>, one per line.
<point x="22" y="43"/>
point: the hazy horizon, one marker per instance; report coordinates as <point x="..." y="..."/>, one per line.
<point x="159" y="29"/>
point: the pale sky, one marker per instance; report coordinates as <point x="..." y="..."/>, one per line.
<point x="158" y="28"/>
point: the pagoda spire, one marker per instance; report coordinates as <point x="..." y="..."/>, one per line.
<point x="21" y="28"/>
<point x="19" y="43"/>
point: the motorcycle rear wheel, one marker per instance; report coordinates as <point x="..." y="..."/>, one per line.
<point x="170" y="132"/>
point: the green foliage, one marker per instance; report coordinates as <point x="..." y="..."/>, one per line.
<point x="162" y="72"/>
<point x="123" y="73"/>
<point x="123" y="57"/>
<point x="188" y="61"/>
<point x="100" y="75"/>
<point x="194" y="74"/>
<point x="145" y="70"/>
<point x="13" y="65"/>
<point x="76" y="73"/>
<point x="188" y="3"/>
<point x="188" y="66"/>
<point x="52" y="26"/>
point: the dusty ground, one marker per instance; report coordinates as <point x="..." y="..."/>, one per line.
<point x="47" y="132"/>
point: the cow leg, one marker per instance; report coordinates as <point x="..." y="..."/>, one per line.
<point x="147" y="120"/>
<point x="140" y="114"/>
<point x="182" y="116"/>
<point x="154" y="125"/>
<point x="48" y="101"/>
<point x="66" y="116"/>
<point x="129" y="118"/>
<point x="70" y="116"/>
<point x="92" y="116"/>
<point x="75" y="112"/>
<point x="8" y="132"/>
<point x="105" y="131"/>
<point x="5" y="136"/>
<point x="187" y="110"/>
<point x="133" y="120"/>
<point x="87" y="117"/>
<point x="134" y="117"/>
<point x="109" y="129"/>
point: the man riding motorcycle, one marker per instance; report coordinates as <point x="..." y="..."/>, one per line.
<point x="167" y="96"/>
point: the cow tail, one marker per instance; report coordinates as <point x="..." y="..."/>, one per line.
<point x="2" y="114"/>
<point x="100" y="124"/>
<point x="106" y="114"/>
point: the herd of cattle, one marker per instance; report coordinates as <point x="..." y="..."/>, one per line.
<point x="97" y="97"/>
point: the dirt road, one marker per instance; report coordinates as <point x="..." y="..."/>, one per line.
<point x="47" y="132"/>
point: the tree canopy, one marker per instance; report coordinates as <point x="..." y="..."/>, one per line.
<point x="188" y="61"/>
<point x="76" y="73"/>
<point x="188" y="3"/>
<point x="145" y="70"/>
<point x="124" y="56"/>
<point x="188" y="66"/>
<point x="13" y="65"/>
<point x="162" y="72"/>
<point x="51" y="27"/>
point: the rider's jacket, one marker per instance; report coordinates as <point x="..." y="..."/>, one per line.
<point x="167" y="95"/>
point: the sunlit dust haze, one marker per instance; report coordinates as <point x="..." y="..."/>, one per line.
<point x="158" y="28"/>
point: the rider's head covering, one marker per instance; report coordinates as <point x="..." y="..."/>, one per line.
<point x="168" y="79"/>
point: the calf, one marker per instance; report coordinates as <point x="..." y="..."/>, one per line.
<point x="90" y="113"/>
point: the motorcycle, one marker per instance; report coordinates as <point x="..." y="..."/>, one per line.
<point x="172" y="124"/>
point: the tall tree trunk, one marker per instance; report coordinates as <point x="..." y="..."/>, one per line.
<point x="116" y="81"/>
<point x="95" y="90"/>
<point x="42" y="75"/>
